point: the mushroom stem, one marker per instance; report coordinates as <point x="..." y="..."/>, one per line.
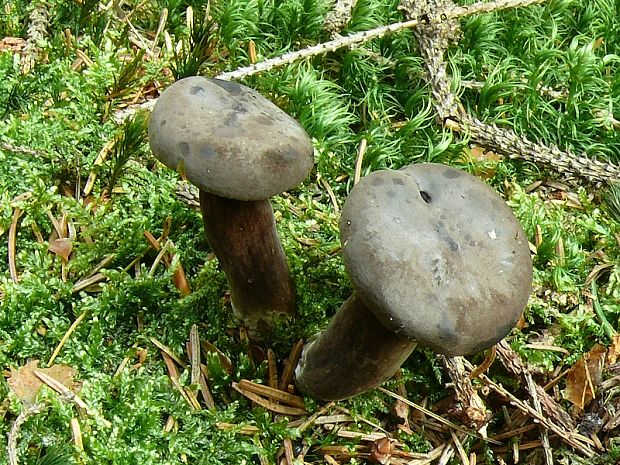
<point x="243" y="236"/>
<point x="355" y="353"/>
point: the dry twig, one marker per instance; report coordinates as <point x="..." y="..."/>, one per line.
<point x="16" y="426"/>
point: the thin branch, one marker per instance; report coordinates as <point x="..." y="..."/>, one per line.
<point x="318" y="49"/>
<point x="17" y="424"/>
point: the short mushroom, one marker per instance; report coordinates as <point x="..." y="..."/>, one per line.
<point x="239" y="149"/>
<point x="435" y="256"/>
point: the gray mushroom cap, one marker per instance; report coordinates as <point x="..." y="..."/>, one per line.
<point x="228" y="139"/>
<point x="437" y="255"/>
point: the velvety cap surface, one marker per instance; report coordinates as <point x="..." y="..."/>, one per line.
<point x="228" y="139"/>
<point x="437" y="255"/>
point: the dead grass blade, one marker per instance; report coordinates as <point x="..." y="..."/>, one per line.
<point x="68" y="394"/>
<point x="66" y="337"/>
<point x="271" y="393"/>
<point x="291" y="363"/>
<point x="268" y="404"/>
<point x="438" y="418"/>
<point x="17" y="213"/>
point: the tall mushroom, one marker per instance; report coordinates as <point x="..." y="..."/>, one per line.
<point x="239" y="149"/>
<point x="435" y="256"/>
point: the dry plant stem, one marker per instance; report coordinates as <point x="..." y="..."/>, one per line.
<point x="434" y="37"/>
<point x="291" y="363"/>
<point x="66" y="337"/>
<point x="470" y="407"/>
<point x="544" y="435"/>
<point x="348" y="41"/>
<point x="513" y="363"/>
<point x="17" y="424"/>
<point x="437" y="417"/>
<point x="17" y="213"/>
<point x="507" y="142"/>
<point x="577" y="441"/>
<point x="243" y="237"/>
<point x="355" y="353"/>
<point x="37" y="31"/>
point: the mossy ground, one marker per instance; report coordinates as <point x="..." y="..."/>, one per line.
<point x="93" y="59"/>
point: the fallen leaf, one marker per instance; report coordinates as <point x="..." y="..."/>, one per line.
<point x="61" y="247"/>
<point x="614" y="350"/>
<point x="584" y="376"/>
<point x="381" y="451"/>
<point x="485" y="161"/>
<point x="401" y="411"/>
<point x="26" y="385"/>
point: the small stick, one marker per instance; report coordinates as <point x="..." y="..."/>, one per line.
<point x="76" y="432"/>
<point x="273" y="369"/>
<point x="288" y="451"/>
<point x="166" y="350"/>
<point x="99" y="266"/>
<point x="289" y="369"/>
<point x="312" y="418"/>
<point x="188" y="395"/>
<point x="194" y="354"/>
<point x="361" y="151"/>
<point x="160" y="256"/>
<point x="437" y="417"/>
<point x="486" y="363"/>
<point x="16" y="426"/>
<point x="17" y="213"/>
<point x="544" y="435"/>
<point x="84" y="283"/>
<point x="209" y="348"/>
<point x="123" y="363"/>
<point x="67" y="393"/>
<point x="332" y="196"/>
<point x="446" y="454"/>
<point x="67" y="335"/>
<point x="576" y="440"/>
<point x="163" y="17"/>
<point x="276" y="394"/>
<point x="92" y="177"/>
<point x="459" y="448"/>
<point x="206" y="392"/>
<point x="248" y="430"/>
<point x="293" y="411"/>
<point x="330" y="460"/>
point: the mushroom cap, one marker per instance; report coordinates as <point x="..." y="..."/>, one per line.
<point x="228" y="139"/>
<point x="437" y="255"/>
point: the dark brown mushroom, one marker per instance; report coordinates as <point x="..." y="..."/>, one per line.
<point x="435" y="256"/>
<point x="239" y="149"/>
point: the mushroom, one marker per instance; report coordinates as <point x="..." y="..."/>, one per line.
<point x="239" y="149"/>
<point x="435" y="256"/>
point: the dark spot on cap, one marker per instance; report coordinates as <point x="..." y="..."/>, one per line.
<point x="265" y="121"/>
<point x="163" y="122"/>
<point x="239" y="108"/>
<point x="231" y="121"/>
<point x="184" y="148"/>
<point x="398" y="182"/>
<point x="208" y="152"/>
<point x="377" y="181"/>
<point x="229" y="86"/>
<point x="452" y="173"/>
<point x="195" y="90"/>
<point x="391" y="194"/>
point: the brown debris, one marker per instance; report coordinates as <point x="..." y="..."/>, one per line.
<point x="469" y="407"/>
<point x="274" y="400"/>
<point x="26" y="385"/>
<point x="584" y="377"/>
